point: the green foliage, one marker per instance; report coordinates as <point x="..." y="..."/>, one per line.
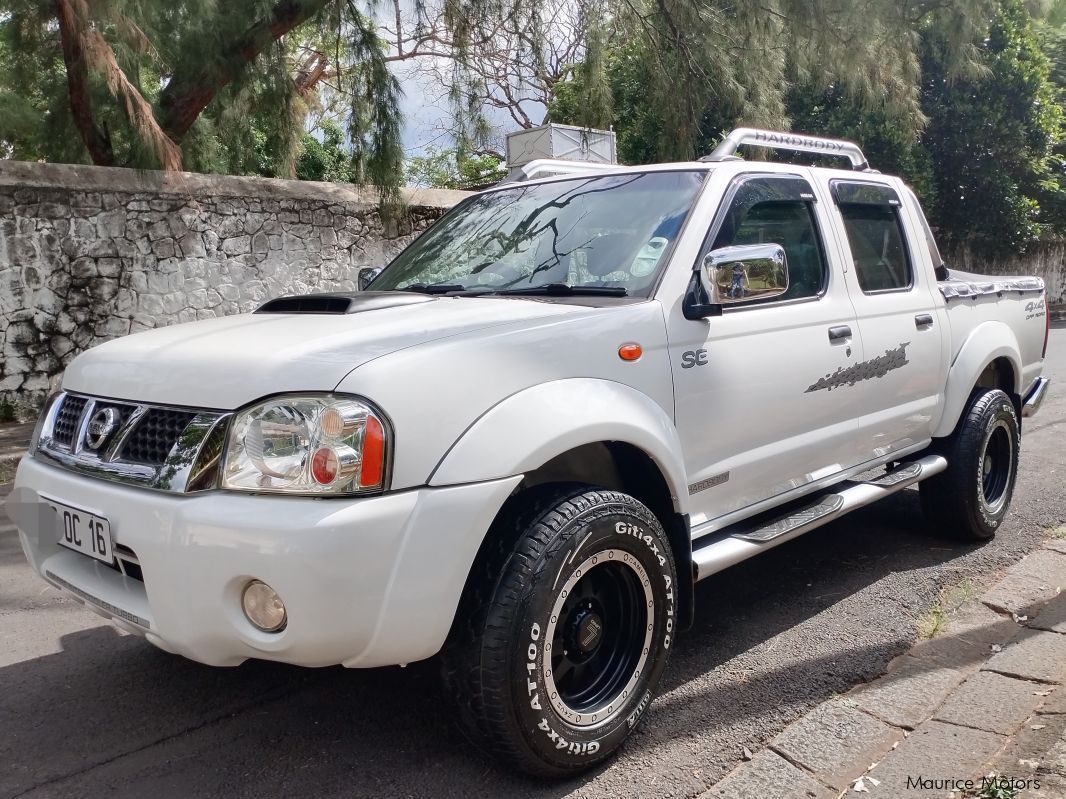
<point x="642" y="126"/>
<point x="983" y="149"/>
<point x="327" y="159"/>
<point x="886" y="140"/>
<point x="18" y="118"/>
<point x="690" y="70"/>
<point x="451" y="169"/>
<point x="220" y="81"/>
<point x="1053" y="43"/>
<point x="992" y="138"/>
<point x="1055" y="12"/>
<point x="229" y="87"/>
<point x="996" y="787"/>
<point x="7" y="411"/>
<point x="32" y="84"/>
<point x="1052" y="36"/>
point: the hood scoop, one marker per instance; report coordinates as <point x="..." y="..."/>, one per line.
<point x="341" y="303"/>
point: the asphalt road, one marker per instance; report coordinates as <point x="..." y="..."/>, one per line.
<point x="87" y="711"/>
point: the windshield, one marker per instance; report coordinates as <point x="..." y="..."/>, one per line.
<point x="604" y="234"/>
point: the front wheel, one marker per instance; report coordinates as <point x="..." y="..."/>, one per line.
<point x="971" y="497"/>
<point x="563" y="633"/>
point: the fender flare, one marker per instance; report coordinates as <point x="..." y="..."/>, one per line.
<point x="986" y="343"/>
<point x="546" y="420"/>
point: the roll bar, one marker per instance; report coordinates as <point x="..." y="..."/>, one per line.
<point x="798" y="142"/>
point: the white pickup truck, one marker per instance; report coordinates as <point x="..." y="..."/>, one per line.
<point x="545" y="420"/>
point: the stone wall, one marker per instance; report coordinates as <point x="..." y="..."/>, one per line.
<point x="90" y="253"/>
<point x="1046" y="259"/>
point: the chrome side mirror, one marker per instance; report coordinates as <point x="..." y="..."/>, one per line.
<point x="745" y="272"/>
<point x="367" y="274"/>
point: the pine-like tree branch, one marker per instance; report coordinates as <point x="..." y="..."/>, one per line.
<point x="97" y="142"/>
<point x="189" y="92"/>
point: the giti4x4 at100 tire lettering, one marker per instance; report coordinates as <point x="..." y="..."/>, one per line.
<point x="563" y="657"/>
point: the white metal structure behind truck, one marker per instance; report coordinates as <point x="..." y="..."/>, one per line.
<point x="549" y="416"/>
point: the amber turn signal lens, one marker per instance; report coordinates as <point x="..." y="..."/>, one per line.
<point x="630" y="352"/>
<point x="373" y="465"/>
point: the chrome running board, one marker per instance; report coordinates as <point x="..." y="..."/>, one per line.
<point x="829" y="505"/>
<point x="745" y="543"/>
<point x="905" y="474"/>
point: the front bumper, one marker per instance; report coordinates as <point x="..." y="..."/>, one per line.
<point x="366" y="582"/>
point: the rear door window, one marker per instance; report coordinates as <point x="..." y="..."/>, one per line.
<point x="871" y="214"/>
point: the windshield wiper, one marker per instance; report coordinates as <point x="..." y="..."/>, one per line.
<point x="434" y="288"/>
<point x="566" y="290"/>
<point x="547" y="289"/>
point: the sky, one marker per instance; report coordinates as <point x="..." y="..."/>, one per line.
<point x="426" y="106"/>
<point x="427" y="113"/>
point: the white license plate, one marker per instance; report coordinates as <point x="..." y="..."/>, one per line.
<point x="82" y="531"/>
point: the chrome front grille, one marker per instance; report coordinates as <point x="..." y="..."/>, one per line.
<point x="66" y="423"/>
<point x="155" y="435"/>
<point x="152" y="446"/>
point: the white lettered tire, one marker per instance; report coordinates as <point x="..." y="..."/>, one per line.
<point x="564" y="630"/>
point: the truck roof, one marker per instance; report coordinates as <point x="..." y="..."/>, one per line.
<point x="546" y="169"/>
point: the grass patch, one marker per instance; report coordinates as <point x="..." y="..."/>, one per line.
<point x="7" y="471"/>
<point x="933" y="621"/>
<point x="1059" y="532"/>
<point x="995" y="787"/>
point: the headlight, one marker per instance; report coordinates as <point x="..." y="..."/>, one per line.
<point x="314" y="444"/>
<point x="55" y="385"/>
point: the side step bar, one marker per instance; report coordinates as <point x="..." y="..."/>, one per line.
<point x="741" y="545"/>
<point x="806" y="518"/>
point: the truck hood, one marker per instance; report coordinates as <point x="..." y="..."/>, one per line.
<point x="227" y="362"/>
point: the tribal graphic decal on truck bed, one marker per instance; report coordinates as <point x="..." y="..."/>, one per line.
<point x="866" y="370"/>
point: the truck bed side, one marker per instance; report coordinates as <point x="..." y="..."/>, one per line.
<point x="992" y="318"/>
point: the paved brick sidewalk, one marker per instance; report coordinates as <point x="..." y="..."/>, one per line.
<point x="983" y="697"/>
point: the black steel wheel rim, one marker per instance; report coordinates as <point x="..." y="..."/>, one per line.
<point x="997" y="465"/>
<point x="599" y="639"/>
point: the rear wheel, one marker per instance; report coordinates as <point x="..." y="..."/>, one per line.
<point x="971" y="497"/>
<point x="564" y="630"/>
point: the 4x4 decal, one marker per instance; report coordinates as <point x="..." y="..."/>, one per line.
<point x="866" y="370"/>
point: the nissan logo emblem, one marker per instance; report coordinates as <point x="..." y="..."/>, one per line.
<point x="102" y="425"/>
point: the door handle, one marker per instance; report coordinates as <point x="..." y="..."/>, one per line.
<point x="923" y="320"/>
<point x="839" y="332"/>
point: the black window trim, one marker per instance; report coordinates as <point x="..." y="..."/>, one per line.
<point x="897" y="208"/>
<point x="808" y="198"/>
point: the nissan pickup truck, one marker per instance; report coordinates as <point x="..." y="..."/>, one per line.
<point x="517" y="450"/>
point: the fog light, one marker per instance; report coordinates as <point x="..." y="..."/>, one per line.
<point x="263" y="607"/>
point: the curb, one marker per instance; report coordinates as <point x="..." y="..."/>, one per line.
<point x="984" y="697"/>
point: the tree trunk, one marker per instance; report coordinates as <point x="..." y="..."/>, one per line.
<point x="96" y="141"/>
<point x="188" y="93"/>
